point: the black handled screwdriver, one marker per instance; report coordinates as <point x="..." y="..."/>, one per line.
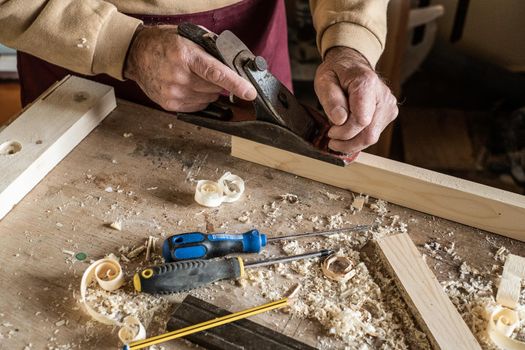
<point x="186" y="275"/>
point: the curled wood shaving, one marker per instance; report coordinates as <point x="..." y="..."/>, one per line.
<point x="132" y="330"/>
<point x="502" y="323"/>
<point x="505" y="318"/>
<point x="109" y="276"/>
<point x="228" y="189"/>
<point x="338" y="268"/>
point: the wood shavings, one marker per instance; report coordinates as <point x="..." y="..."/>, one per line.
<point x="342" y="308"/>
<point x="333" y="197"/>
<point x="82" y="43"/>
<point x="292" y="248"/>
<point x="109" y="276"/>
<point x="136" y="252"/>
<point x="501" y="254"/>
<point x="116" y="225"/>
<point x="228" y="188"/>
<point x="338" y="268"/>
<point x="131" y="330"/>
<point x="335" y="221"/>
<point x="379" y="207"/>
<point x="503" y="321"/>
<point x="150" y="246"/>
<point x="501" y="325"/>
<point x="68" y="252"/>
<point x="243" y="218"/>
<point x="358" y="203"/>
<point x="290" y="198"/>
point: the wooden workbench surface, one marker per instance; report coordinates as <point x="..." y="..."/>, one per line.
<point x="151" y="175"/>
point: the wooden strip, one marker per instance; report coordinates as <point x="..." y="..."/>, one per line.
<point x="46" y="132"/>
<point x="510" y="285"/>
<point x="430" y="192"/>
<point x="421" y="290"/>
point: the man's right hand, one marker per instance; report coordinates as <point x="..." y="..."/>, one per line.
<point x="177" y="73"/>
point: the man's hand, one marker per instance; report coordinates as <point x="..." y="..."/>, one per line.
<point x="178" y="74"/>
<point x="356" y="100"/>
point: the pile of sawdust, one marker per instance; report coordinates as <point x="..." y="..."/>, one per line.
<point x="354" y="314"/>
<point x="473" y="292"/>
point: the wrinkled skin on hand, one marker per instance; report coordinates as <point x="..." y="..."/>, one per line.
<point x="357" y="102"/>
<point x="178" y="74"/>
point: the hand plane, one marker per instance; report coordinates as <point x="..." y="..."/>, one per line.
<point x="276" y="118"/>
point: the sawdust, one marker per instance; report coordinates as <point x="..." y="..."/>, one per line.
<point x="116" y="225"/>
<point x="290" y="198"/>
<point x="358" y="203"/>
<point x="354" y="312"/>
<point x="473" y="291"/>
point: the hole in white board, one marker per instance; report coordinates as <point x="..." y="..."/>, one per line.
<point x="10" y="147"/>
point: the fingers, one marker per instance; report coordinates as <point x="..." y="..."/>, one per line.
<point x="332" y="98"/>
<point x="181" y="99"/>
<point x="210" y="69"/>
<point x="384" y="114"/>
<point x="184" y="107"/>
<point x="362" y="100"/>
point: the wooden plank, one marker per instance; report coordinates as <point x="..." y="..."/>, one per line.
<point x="46" y="132"/>
<point x="430" y="192"/>
<point x="421" y="290"/>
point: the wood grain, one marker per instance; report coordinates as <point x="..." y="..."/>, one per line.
<point x="46" y="132"/>
<point x="437" y="194"/>
<point x="422" y="292"/>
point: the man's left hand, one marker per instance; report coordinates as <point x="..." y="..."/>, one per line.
<point x="357" y="102"/>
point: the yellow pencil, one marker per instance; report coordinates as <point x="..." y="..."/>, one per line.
<point x="141" y="344"/>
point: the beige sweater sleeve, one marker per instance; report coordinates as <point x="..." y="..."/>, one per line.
<point x="85" y="36"/>
<point x="359" y="24"/>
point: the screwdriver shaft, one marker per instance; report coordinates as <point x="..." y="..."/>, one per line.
<point x="285" y="259"/>
<point x="321" y="233"/>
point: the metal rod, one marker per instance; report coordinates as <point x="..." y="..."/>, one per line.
<point x="285" y="259"/>
<point x="321" y="233"/>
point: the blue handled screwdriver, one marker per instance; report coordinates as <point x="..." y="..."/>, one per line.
<point x="197" y="245"/>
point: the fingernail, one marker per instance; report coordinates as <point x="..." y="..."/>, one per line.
<point x="250" y="94"/>
<point x="339" y="115"/>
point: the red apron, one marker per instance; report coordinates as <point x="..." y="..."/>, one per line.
<point x="260" y="24"/>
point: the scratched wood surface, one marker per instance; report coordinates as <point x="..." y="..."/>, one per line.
<point x="151" y="174"/>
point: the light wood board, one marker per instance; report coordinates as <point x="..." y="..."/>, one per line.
<point x="422" y="292"/>
<point x="430" y="192"/>
<point x="46" y="132"/>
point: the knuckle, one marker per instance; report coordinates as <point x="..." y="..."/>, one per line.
<point x="214" y="75"/>
<point x="371" y="138"/>
<point x="369" y="75"/>
<point x="362" y="120"/>
<point x="395" y="112"/>
<point x="347" y="134"/>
